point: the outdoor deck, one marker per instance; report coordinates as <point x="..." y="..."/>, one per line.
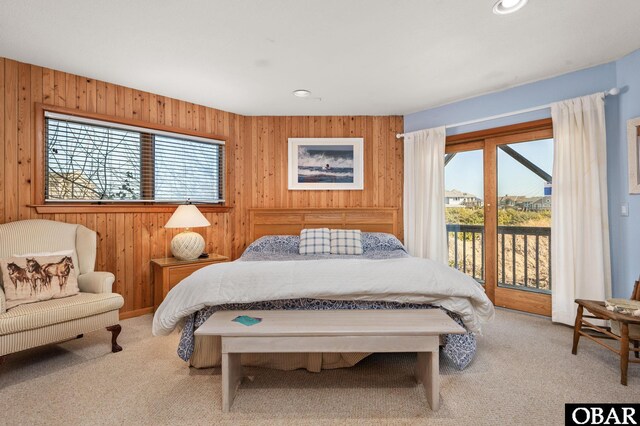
<point x="524" y="260"/>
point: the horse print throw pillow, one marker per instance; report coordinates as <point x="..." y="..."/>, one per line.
<point x="37" y="277"/>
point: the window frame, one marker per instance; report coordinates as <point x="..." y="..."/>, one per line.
<point x="39" y="174"/>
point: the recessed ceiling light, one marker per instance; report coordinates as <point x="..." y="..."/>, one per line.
<point x="302" y="93"/>
<point x="503" y="7"/>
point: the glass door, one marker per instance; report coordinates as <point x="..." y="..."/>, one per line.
<point x="523" y="201"/>
<point x="464" y="210"/>
<point x="498" y="213"/>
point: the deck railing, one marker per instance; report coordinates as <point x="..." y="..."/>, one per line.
<point x="524" y="255"/>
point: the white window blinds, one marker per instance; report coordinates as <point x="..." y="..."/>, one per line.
<point x="97" y="161"/>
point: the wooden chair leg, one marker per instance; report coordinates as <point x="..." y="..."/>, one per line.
<point x="576" y="329"/>
<point x="624" y="352"/>
<point x="115" y="331"/>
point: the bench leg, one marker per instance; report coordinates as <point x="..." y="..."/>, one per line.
<point x="624" y="352"/>
<point x="576" y="329"/>
<point x="231" y="378"/>
<point x="115" y="331"/>
<point x="636" y="346"/>
<point x="428" y="373"/>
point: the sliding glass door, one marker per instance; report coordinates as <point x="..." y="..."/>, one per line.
<point x="498" y="211"/>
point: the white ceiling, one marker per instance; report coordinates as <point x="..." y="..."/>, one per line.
<point x="360" y="56"/>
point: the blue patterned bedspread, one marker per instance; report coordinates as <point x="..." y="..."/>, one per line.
<point x="458" y="348"/>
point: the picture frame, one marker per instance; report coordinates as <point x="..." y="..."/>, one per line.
<point x="633" y="135"/>
<point x="326" y="163"/>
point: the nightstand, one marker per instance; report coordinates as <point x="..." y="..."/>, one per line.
<point x="169" y="271"/>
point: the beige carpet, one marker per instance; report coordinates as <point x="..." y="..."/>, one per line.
<point x="523" y="374"/>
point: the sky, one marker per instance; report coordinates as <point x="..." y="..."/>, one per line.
<point x="464" y="171"/>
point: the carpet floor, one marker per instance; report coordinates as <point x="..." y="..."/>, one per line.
<point x="524" y="373"/>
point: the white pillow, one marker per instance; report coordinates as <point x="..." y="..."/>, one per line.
<point x="315" y="241"/>
<point x="346" y="241"/>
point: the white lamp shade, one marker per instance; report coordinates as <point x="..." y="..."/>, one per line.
<point x="187" y="216"/>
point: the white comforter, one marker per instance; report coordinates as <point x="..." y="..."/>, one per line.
<point x="409" y="280"/>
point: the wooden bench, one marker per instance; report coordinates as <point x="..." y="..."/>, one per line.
<point x="332" y="331"/>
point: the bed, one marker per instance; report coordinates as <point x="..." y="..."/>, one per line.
<point x="271" y="274"/>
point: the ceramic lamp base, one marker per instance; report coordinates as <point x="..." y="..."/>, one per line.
<point x="187" y="245"/>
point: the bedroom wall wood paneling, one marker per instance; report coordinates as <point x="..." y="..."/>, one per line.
<point x="383" y="162"/>
<point x="256" y="168"/>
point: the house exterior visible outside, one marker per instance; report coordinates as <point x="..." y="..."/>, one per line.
<point x="523" y="203"/>
<point x="455" y="198"/>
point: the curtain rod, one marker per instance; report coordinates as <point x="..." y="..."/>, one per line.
<point x="611" y="92"/>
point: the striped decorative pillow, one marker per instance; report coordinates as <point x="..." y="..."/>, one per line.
<point x="346" y="241"/>
<point x="315" y="241"/>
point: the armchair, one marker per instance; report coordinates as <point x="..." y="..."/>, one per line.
<point x="95" y="307"/>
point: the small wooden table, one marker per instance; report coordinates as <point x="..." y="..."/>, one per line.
<point x="332" y="331"/>
<point x="599" y="311"/>
<point x="169" y="271"/>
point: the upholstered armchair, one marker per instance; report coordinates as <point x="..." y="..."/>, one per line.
<point x="95" y="307"/>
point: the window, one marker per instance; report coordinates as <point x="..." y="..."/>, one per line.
<point x="88" y="160"/>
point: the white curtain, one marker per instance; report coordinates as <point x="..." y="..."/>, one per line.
<point x="425" y="233"/>
<point x="580" y="262"/>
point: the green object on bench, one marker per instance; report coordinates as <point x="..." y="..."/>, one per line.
<point x="247" y="320"/>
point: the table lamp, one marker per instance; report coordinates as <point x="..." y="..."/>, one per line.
<point x="187" y="245"/>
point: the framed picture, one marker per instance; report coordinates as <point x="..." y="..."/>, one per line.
<point x="633" y="133"/>
<point x="326" y="163"/>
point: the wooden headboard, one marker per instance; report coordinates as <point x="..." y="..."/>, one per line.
<point x="284" y="221"/>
